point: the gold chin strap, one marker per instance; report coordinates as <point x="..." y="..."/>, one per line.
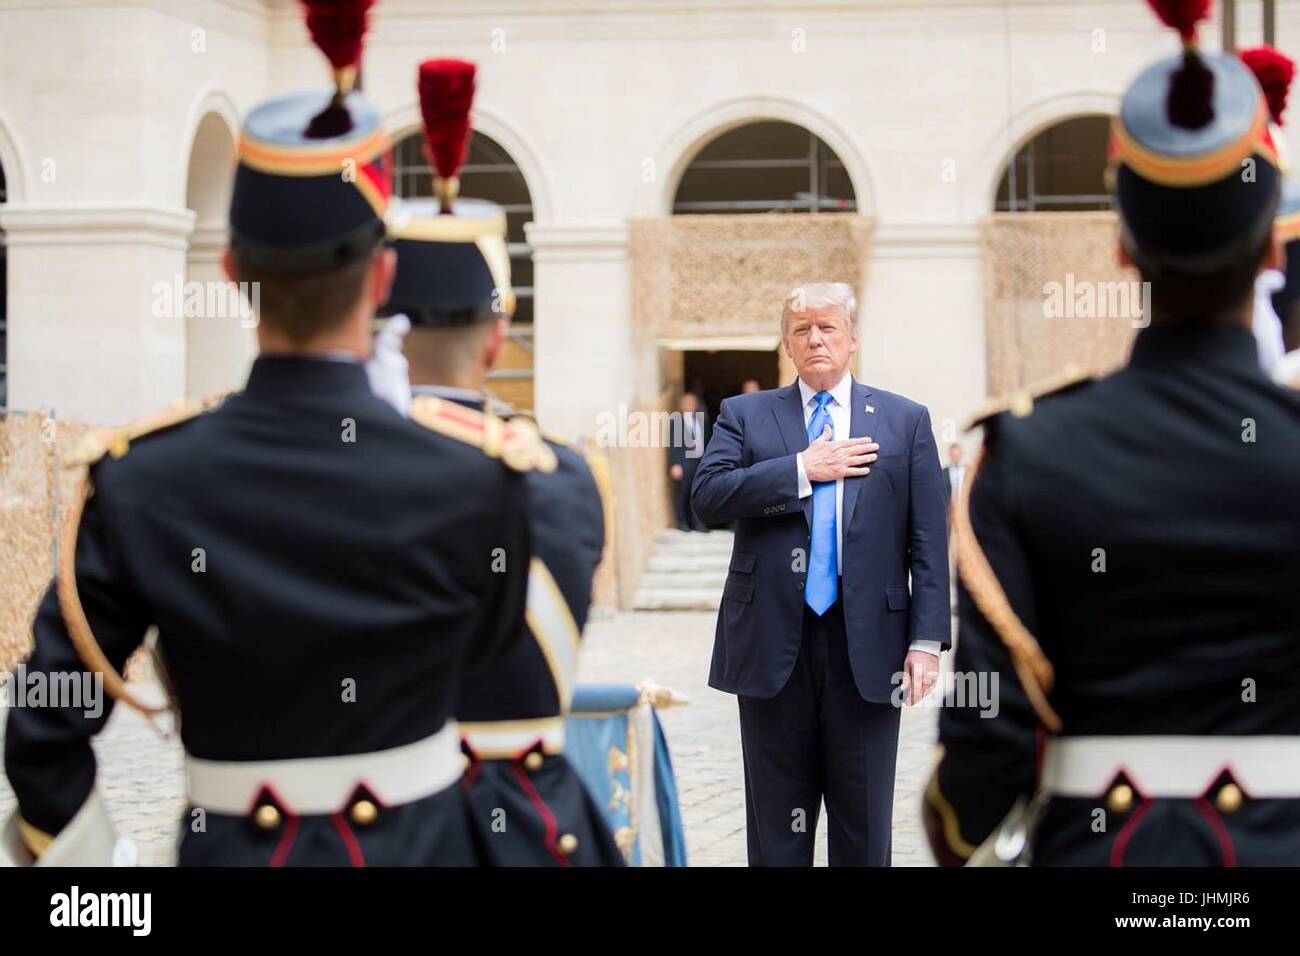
<point x="1032" y="666"/>
<point x="74" y="615"/>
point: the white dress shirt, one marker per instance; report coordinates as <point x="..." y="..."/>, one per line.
<point x="958" y="476"/>
<point x="840" y="409"/>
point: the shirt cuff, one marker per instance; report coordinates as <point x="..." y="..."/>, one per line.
<point x="805" y="486"/>
<point x="930" y="647"/>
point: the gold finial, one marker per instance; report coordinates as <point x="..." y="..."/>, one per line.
<point x="446" y="190"/>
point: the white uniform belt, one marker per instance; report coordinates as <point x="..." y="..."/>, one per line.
<point x="1172" y="767"/>
<point x="503" y="739"/>
<point x="321" y="785"/>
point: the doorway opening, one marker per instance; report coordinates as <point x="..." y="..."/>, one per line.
<point x="713" y="376"/>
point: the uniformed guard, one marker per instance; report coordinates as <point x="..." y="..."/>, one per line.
<point x="1127" y="675"/>
<point x="1286" y="300"/>
<point x="320" y="570"/>
<point x="453" y="285"/>
<point x="1274" y="71"/>
<point x="1280" y="317"/>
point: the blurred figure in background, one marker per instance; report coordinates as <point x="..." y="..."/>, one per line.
<point x="954" y="474"/>
<point x="688" y="444"/>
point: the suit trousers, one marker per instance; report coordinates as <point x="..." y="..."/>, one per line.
<point x="818" y="739"/>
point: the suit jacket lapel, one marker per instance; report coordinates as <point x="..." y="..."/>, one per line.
<point x="860" y="424"/>
<point x="788" y="410"/>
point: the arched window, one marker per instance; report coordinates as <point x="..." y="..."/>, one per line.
<point x="767" y="166"/>
<point x="1062" y="169"/>
<point x="489" y="173"/>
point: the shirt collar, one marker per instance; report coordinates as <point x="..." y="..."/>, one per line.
<point x="461" y="396"/>
<point x="840" y="393"/>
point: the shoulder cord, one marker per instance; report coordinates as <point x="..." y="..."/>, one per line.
<point x="1032" y="666"/>
<point x="74" y="615"/>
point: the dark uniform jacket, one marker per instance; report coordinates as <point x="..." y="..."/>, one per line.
<point x="299" y="537"/>
<point x="550" y="818"/>
<point x="1181" y="472"/>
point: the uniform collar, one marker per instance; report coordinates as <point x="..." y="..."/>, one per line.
<point x="468" y="397"/>
<point x="840" y="393"/>
<point x="290" y="375"/>
<point x="1219" y="345"/>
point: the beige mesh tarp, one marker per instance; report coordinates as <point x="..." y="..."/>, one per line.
<point x="1054" y="259"/>
<point x="32" y="489"/>
<point x="727" y="275"/>
<point x="708" y="280"/>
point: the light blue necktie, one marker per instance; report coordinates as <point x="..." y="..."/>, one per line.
<point x="823" y="586"/>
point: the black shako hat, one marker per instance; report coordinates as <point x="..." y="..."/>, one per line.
<point x="1193" y="163"/>
<point x="453" y="265"/>
<point x="314" y="168"/>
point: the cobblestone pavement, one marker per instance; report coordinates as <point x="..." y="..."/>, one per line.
<point x="673" y="648"/>
<point x="140" y="771"/>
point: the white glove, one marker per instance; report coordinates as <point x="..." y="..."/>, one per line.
<point x="1265" y="323"/>
<point x="389" y="374"/>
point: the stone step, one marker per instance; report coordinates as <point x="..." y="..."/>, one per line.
<point x="678" y="599"/>
<point x="691" y="547"/>
<point x="683" y="579"/>
<point x="665" y="560"/>
<point x="686" y="571"/>
<point x="716" y="539"/>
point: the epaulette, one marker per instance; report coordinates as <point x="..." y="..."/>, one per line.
<point x="116" y="442"/>
<point x="516" y="442"/>
<point x="507" y="411"/>
<point x="1020" y="403"/>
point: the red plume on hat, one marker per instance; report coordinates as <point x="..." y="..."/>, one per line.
<point x="446" y="95"/>
<point x="1275" y="71"/>
<point x="1182" y="15"/>
<point x="1190" y="104"/>
<point x="337" y="27"/>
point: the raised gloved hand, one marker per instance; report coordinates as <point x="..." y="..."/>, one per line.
<point x="389" y="374"/>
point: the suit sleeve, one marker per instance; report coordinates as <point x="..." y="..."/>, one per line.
<point x="988" y="751"/>
<point x="48" y="757"/>
<point x="928" y="540"/>
<point x="725" y="489"/>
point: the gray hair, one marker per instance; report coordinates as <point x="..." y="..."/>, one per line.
<point x="820" y="295"/>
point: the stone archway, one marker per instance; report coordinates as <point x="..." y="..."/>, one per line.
<point x="218" y="349"/>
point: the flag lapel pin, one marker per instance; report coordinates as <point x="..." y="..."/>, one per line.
<point x="870" y="409"/>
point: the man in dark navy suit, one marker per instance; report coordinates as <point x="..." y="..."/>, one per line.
<point x="837" y="498"/>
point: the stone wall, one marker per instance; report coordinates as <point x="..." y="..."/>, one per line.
<point x="1065" y="264"/>
<point x="32" y="490"/>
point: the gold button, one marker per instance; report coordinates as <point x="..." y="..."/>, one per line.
<point x="568" y="844"/>
<point x="267" y="817"/>
<point x="617" y="760"/>
<point x="1120" y="798"/>
<point x="1229" y="798"/>
<point x="464" y="761"/>
<point x="534" y="761"/>
<point x="364" y="813"/>
<point x="624" y="837"/>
